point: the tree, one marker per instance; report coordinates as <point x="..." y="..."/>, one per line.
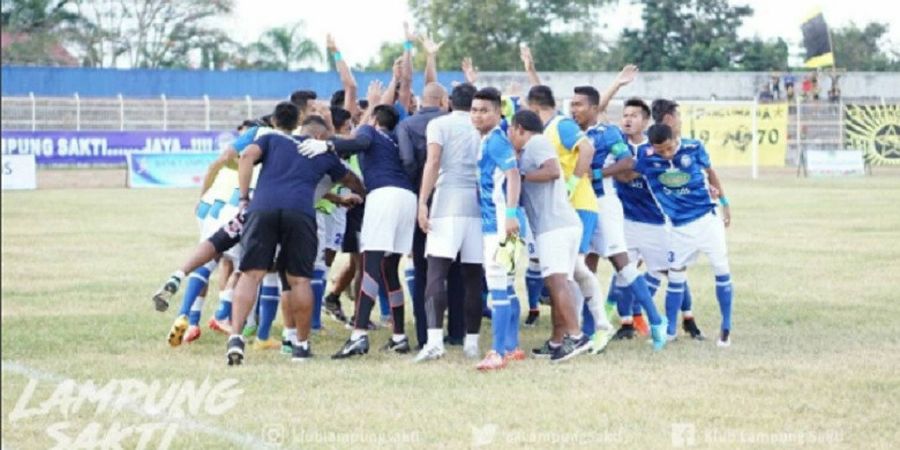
<point x="490" y="31"/>
<point x="757" y="55"/>
<point x="146" y="33"/>
<point x="35" y="28"/>
<point x="693" y="35"/>
<point x="284" y="48"/>
<point x="861" y="48"/>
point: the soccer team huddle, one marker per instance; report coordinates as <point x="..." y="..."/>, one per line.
<point x="458" y="182"/>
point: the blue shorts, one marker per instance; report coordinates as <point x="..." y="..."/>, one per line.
<point x="588" y="223"/>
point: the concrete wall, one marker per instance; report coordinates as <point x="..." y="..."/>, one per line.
<point x="64" y="82"/>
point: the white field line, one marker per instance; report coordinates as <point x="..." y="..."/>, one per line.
<point x="242" y="439"/>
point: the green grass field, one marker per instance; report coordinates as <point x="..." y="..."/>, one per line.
<point x="815" y="360"/>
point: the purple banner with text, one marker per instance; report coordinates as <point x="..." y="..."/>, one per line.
<point x="76" y="148"/>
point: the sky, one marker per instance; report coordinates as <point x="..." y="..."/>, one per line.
<point x="350" y="20"/>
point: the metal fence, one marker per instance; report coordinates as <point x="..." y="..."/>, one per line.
<point x="123" y="113"/>
<point x="816" y="125"/>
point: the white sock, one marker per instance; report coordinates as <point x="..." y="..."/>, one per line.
<point x="303" y="344"/>
<point x="294" y="340"/>
<point x="398" y="337"/>
<point x="290" y="334"/>
<point x="236" y="336"/>
<point x="178" y="274"/>
<point x="471" y="340"/>
<point x="435" y="338"/>
<point x="356" y="334"/>
<point x="601" y="322"/>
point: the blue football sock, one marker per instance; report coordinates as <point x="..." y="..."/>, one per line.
<point x="268" y="306"/>
<point x="533" y="284"/>
<point x="588" y="326"/>
<point x="196" y="309"/>
<point x="318" y="289"/>
<point x="410" y="274"/>
<point x="500" y="319"/>
<point x="724" y="294"/>
<point x="196" y="283"/>
<point x="637" y="287"/>
<point x="224" y="310"/>
<point x="674" y="297"/>
<point x="636" y="309"/>
<point x="687" y="301"/>
<point x="653" y="283"/>
<point x="485" y="307"/>
<point x="624" y="300"/>
<point x="512" y="332"/>
<point x="383" y="302"/>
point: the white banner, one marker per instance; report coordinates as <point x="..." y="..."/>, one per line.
<point x="835" y="162"/>
<point x="19" y="172"/>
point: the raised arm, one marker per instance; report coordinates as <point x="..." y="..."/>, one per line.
<point x="431" y="49"/>
<point x="528" y="61"/>
<point x="627" y="75"/>
<point x="347" y="80"/>
<point x="469" y="71"/>
<point x="374" y="96"/>
<point x="388" y="96"/>
<point x="406" y="72"/>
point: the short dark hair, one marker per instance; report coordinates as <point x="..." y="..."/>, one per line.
<point x="638" y="103"/>
<point x="314" y="120"/>
<point x="363" y="104"/>
<point x="659" y="133"/>
<point x="589" y="92"/>
<point x="528" y="120"/>
<point x="302" y="97"/>
<point x="337" y="99"/>
<point x="461" y="97"/>
<point x="386" y="116"/>
<point x="247" y="124"/>
<point x="265" y="121"/>
<point x="661" y="107"/>
<point x="489" y="94"/>
<point x="542" y="96"/>
<point x="339" y="116"/>
<point x="286" y="115"/>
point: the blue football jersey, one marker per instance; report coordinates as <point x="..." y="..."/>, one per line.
<point x="609" y="147"/>
<point x="638" y="203"/>
<point x="679" y="184"/>
<point x="496" y="156"/>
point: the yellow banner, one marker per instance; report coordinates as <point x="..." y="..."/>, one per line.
<point x="874" y="129"/>
<point x="727" y="132"/>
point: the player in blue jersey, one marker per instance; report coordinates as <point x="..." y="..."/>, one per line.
<point x="498" y="197"/>
<point x="646" y="228"/>
<point x="677" y="171"/>
<point x="612" y="157"/>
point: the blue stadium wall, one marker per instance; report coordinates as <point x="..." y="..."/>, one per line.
<point x="54" y="81"/>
